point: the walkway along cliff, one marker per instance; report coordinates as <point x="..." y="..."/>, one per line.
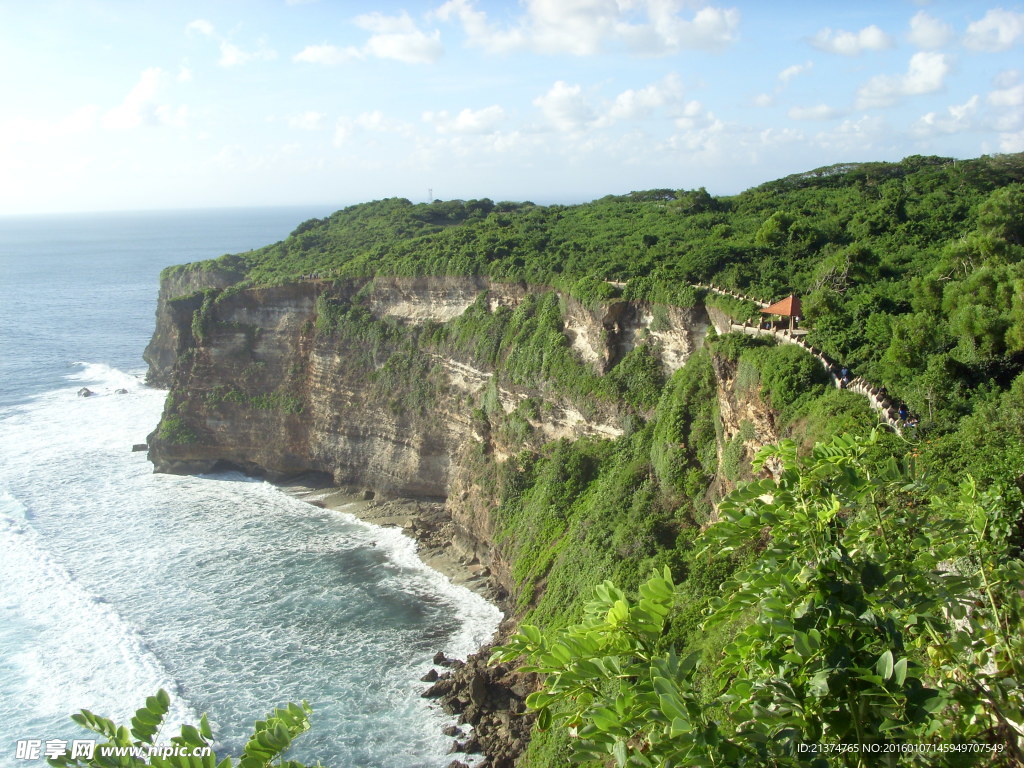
<point x="887" y="410"/>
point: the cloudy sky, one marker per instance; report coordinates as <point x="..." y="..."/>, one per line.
<point x="148" y="104"/>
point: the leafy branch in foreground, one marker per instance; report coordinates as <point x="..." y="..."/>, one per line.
<point x="877" y="627"/>
<point x="192" y="748"/>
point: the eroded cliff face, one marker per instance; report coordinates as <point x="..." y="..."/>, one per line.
<point x="746" y="423"/>
<point x="180" y="295"/>
<point x="259" y="381"/>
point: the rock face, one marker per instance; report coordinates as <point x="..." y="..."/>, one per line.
<point x="744" y="418"/>
<point x="258" y="387"/>
<point x="259" y="380"/>
<point x="491" y="700"/>
<point x="180" y="295"/>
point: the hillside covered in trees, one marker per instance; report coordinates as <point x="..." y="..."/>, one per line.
<point x="911" y="273"/>
<point x="863" y="587"/>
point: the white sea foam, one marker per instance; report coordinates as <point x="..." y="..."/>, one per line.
<point x="477" y="618"/>
<point x="81" y="650"/>
<point x="108" y="378"/>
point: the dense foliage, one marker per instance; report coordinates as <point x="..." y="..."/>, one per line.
<point x="879" y="626"/>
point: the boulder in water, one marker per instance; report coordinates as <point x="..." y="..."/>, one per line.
<point x="120" y="391"/>
<point x="85" y="392"/>
<point x="140" y="447"/>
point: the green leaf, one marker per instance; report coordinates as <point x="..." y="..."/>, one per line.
<point x="872" y="576"/>
<point x="531" y="633"/>
<point x="540" y="699"/>
<point x="204" y="728"/>
<point x="619" y="751"/>
<point x="884" y="666"/>
<point x="934" y="704"/>
<point x="900" y="671"/>
<point x="679" y="726"/>
<point x="606" y="719"/>
<point x="802" y="645"/>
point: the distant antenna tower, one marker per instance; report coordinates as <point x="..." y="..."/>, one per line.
<point x="430" y="195"/>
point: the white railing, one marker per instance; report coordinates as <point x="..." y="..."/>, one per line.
<point x="886" y="409"/>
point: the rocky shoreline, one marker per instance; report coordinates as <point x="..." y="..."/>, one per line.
<point x="489" y="701"/>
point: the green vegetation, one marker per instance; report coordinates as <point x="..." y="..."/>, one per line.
<point x="174" y="430"/>
<point x="847" y="629"/>
<point x="267" y="401"/>
<point x="271" y="738"/>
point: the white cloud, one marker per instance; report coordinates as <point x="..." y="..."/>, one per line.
<point x="710" y="29"/>
<point x="768" y="99"/>
<point x="925" y="74"/>
<point x="346" y="128"/>
<point x="797" y="69"/>
<point x="578" y="26"/>
<point x="1011" y="142"/>
<point x="398" y="38"/>
<point x="771" y="137"/>
<point x="468" y="121"/>
<point x="184" y="74"/>
<point x="308" y="121"/>
<point x="928" y="32"/>
<point x="588" y="27"/>
<point x="636" y="104"/>
<point x="1006" y="78"/>
<point x="997" y="30"/>
<point x="478" y="31"/>
<point x="326" y="54"/>
<point x="818" y="112"/>
<point x="200" y="26"/>
<point x="852" y="43"/>
<point x="956" y="119"/>
<point x="565" y="106"/>
<point x="699" y="130"/>
<point x="140" y="107"/>
<point x="1008" y="97"/>
<point x="694" y="117"/>
<point x="866" y="133"/>
<point x="394" y="37"/>
<point x="233" y="56"/>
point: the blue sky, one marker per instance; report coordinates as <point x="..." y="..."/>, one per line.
<point x="147" y="104"/>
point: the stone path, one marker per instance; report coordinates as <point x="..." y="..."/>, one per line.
<point x="886" y="408"/>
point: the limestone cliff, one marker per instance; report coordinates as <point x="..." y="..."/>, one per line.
<point x="258" y="382"/>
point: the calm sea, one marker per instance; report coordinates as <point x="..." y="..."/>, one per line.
<point x="115" y="582"/>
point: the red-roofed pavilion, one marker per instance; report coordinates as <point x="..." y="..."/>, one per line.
<point x="788" y="307"/>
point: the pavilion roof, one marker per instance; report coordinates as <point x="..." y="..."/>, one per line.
<point x="788" y="307"/>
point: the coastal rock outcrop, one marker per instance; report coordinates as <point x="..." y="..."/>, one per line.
<point x="259" y="382"/>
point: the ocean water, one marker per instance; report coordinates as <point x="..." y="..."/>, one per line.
<point x="225" y="591"/>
